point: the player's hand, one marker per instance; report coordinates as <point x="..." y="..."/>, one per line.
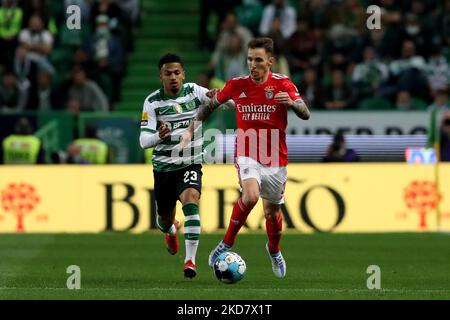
<point x="283" y="98"/>
<point x="186" y="137"/>
<point x="164" y="130"/>
<point x="211" y="93"/>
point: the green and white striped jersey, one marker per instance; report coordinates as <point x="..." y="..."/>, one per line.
<point x="178" y="112"/>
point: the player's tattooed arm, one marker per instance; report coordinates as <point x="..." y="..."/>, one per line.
<point x="206" y="110"/>
<point x="301" y="109"/>
<point x="203" y="113"/>
<point x="299" y="106"/>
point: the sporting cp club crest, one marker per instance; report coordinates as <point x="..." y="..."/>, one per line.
<point x="269" y="92"/>
<point x="177" y="108"/>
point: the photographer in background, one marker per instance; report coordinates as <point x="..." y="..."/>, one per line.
<point x="338" y="151"/>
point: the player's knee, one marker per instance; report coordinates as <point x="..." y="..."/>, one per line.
<point x="190" y="196"/>
<point x="271" y="216"/>
<point x="250" y="199"/>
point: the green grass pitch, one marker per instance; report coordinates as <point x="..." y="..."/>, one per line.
<point x="137" y="266"/>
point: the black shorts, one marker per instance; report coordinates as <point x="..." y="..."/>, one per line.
<point x="169" y="186"/>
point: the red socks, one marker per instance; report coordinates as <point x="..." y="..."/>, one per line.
<point x="238" y="218"/>
<point x="274" y="230"/>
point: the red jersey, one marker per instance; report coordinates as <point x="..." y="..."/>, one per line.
<point x="261" y="121"/>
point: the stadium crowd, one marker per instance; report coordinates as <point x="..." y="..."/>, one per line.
<point x="327" y="49"/>
<point x="46" y="66"/>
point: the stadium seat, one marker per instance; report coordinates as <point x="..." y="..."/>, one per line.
<point x="375" y="103"/>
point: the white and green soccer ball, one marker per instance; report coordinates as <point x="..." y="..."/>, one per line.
<point x="229" y="267"/>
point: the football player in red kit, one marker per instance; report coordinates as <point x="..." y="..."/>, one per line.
<point x="262" y="100"/>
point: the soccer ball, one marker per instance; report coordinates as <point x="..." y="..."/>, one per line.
<point x="229" y="267"/>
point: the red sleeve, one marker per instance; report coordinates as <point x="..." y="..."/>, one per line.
<point x="291" y="89"/>
<point x="224" y="94"/>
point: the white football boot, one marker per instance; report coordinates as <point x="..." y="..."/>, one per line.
<point x="278" y="263"/>
<point x="221" y="248"/>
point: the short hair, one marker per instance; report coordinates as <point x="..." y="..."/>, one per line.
<point x="264" y="43"/>
<point x="170" y="58"/>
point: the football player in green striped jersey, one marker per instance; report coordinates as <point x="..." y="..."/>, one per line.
<point x="167" y="112"/>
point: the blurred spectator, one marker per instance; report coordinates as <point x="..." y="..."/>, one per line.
<point x="369" y="74"/>
<point x="106" y="51"/>
<point x="132" y="9"/>
<point x="355" y="15"/>
<point x="338" y="151"/>
<point x="415" y="30"/>
<point x="43" y="98"/>
<point x="441" y="101"/>
<point x="348" y="13"/>
<point x="427" y="21"/>
<point x="302" y="47"/>
<point x="338" y="94"/>
<point x="91" y="148"/>
<point x="314" y="11"/>
<point x="81" y="58"/>
<point x="443" y="23"/>
<point x="233" y="61"/>
<point x="85" y="94"/>
<point x="38" y="42"/>
<point x="12" y="96"/>
<point x="388" y="38"/>
<point x="404" y="101"/>
<point x="70" y="156"/>
<point x="10" y="25"/>
<point x="50" y="18"/>
<point x="22" y="147"/>
<point x="278" y="17"/>
<point x="438" y="71"/>
<point x="390" y="11"/>
<point x="119" y="21"/>
<point x="409" y="59"/>
<point x="230" y="26"/>
<point x="341" y="48"/>
<point x="87" y="150"/>
<point x="281" y="64"/>
<point x="310" y="89"/>
<point x="207" y="79"/>
<point x="25" y="69"/>
<point x="249" y="14"/>
<point x="220" y="9"/>
<point x="379" y="40"/>
<point x="73" y="106"/>
<point x="409" y="71"/>
<point x="109" y="8"/>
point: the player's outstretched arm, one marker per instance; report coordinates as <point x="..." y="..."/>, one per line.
<point x="203" y="113"/>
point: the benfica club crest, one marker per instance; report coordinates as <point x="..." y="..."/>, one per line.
<point x="269" y="92"/>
